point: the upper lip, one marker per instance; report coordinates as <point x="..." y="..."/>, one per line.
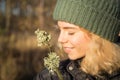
<point x="67" y="47"/>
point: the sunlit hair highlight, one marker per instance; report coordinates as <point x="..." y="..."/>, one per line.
<point x="102" y="56"/>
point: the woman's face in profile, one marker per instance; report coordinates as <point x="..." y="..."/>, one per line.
<point x="73" y="40"/>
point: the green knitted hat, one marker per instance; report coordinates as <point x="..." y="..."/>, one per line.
<point x="101" y="17"/>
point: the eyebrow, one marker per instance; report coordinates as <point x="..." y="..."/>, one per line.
<point x="68" y="27"/>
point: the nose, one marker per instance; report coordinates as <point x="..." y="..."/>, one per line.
<point x="62" y="38"/>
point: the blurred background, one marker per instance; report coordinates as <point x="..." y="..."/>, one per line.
<point x="20" y="57"/>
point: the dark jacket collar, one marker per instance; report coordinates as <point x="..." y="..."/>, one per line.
<point x="73" y="68"/>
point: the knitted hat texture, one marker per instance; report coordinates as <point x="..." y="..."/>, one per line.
<point x="101" y="17"/>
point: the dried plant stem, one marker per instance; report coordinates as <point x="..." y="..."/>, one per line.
<point x="59" y="74"/>
<point x="49" y="47"/>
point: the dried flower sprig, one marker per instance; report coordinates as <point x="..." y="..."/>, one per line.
<point x="43" y="37"/>
<point x="52" y="64"/>
<point x="52" y="61"/>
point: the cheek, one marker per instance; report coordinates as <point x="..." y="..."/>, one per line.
<point x="81" y="40"/>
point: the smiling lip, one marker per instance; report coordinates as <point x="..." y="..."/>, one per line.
<point x="67" y="49"/>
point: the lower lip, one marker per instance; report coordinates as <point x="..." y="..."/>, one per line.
<point x="67" y="50"/>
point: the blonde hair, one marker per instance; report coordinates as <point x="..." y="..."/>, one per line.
<point x="102" y="55"/>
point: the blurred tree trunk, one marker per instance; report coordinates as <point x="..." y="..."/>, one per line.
<point x="40" y="13"/>
<point x="8" y="14"/>
<point x="0" y="67"/>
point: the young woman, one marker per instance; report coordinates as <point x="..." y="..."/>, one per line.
<point x="88" y="33"/>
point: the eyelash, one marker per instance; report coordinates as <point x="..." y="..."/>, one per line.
<point x="71" y="33"/>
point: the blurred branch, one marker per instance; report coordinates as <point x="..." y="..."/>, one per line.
<point x="8" y="14"/>
<point x="40" y="13"/>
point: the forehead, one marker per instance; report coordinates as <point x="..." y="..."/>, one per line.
<point x="66" y="25"/>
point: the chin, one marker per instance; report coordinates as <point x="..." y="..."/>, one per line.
<point x="72" y="58"/>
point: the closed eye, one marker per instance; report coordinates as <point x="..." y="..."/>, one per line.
<point x="71" y="33"/>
